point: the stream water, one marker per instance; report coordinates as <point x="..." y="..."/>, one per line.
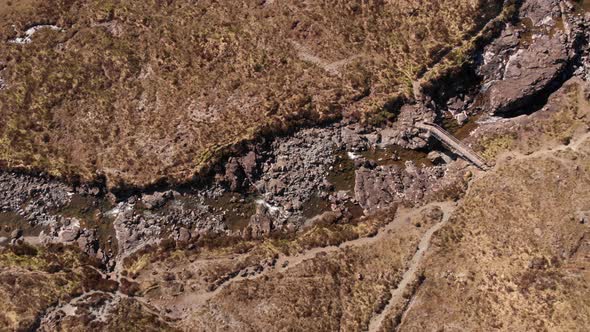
<point x="10" y="221"/>
<point x="395" y="155"/>
<point x="236" y="208"/>
<point x="91" y="212"/>
<point x="461" y="131"/>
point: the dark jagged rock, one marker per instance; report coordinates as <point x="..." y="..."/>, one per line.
<point x="530" y="58"/>
<point x="527" y="73"/>
<point x="403" y="133"/>
<point x="235" y="176"/>
<point x="156" y="199"/>
<point x="384" y="185"/>
<point x="261" y="224"/>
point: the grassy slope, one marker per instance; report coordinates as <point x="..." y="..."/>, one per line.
<point x="33" y="279"/>
<point x="515" y="255"/>
<point x="147" y="90"/>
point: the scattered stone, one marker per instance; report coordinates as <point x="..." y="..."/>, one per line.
<point x="184" y="235"/>
<point x="261" y="224"/>
<point x="16" y="234"/>
<point x="70" y="234"/>
<point x="156" y="199"/>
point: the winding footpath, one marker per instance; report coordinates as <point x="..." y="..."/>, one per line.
<point x="411" y="273"/>
<point x="188" y="302"/>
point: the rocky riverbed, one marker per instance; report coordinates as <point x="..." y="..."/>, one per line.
<point x="336" y="173"/>
<point x="339" y="171"/>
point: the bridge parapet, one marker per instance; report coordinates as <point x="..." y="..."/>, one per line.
<point x="452" y="142"/>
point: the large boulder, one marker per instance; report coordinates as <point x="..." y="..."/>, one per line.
<point x="528" y="73"/>
<point x="156" y="199"/>
<point x="403" y="133"/>
<point x="241" y="171"/>
<point x="529" y="59"/>
<point x="250" y="164"/>
<point x="235" y="177"/>
<point x="374" y="191"/>
<point x="260" y="224"/>
<point x="384" y="185"/>
<point x="353" y="139"/>
<point x="184" y="235"/>
<point x="69" y="234"/>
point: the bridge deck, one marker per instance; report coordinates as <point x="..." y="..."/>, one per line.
<point x="446" y="138"/>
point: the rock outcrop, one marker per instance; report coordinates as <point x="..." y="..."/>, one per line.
<point x="530" y="59"/>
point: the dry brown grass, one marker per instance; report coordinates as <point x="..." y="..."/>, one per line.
<point x="32" y="279"/>
<point x="331" y="290"/>
<point x="510" y="258"/>
<point x="126" y="315"/>
<point x="565" y="116"/>
<point x="515" y="254"/>
<point x="140" y="91"/>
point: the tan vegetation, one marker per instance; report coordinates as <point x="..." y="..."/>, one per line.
<point x="32" y="279"/>
<point x="220" y="256"/>
<point x="318" y="289"/>
<point x="125" y="315"/>
<point x="515" y="255"/>
<point x="144" y="91"/>
<point x="140" y="91"/>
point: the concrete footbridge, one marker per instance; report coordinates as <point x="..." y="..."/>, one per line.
<point x="453" y="143"/>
